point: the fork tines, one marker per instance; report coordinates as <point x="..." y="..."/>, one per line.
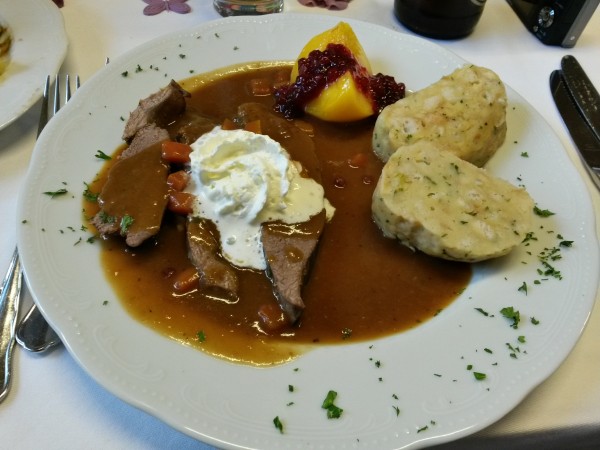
<point x="56" y="104"/>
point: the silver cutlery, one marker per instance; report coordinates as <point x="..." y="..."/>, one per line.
<point x="582" y="91"/>
<point x="33" y="333"/>
<point x="9" y="310"/>
<point x="578" y="103"/>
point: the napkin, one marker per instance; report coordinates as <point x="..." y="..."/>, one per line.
<point x="329" y="4"/>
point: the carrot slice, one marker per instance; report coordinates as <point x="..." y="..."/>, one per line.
<point x="181" y="203"/>
<point x="261" y="87"/>
<point x="176" y="152"/>
<point x="178" y="180"/>
<point x="254" y="126"/>
<point x="229" y="124"/>
<point x="272" y="317"/>
<point x="358" y="160"/>
<point x="187" y="280"/>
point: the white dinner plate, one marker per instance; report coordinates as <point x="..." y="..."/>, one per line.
<point x="38" y="50"/>
<point x="412" y="389"/>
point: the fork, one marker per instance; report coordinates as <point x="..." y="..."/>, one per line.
<point x="33" y="333"/>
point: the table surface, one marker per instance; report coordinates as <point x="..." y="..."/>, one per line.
<point x="54" y="404"/>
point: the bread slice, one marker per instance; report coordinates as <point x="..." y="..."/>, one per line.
<point x="464" y="113"/>
<point x="435" y="202"/>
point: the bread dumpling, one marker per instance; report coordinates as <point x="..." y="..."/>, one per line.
<point x="435" y="202"/>
<point x="464" y="113"/>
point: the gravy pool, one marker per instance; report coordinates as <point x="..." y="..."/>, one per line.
<point x="361" y="285"/>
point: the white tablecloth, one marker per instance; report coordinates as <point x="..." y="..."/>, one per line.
<point x="54" y="404"/>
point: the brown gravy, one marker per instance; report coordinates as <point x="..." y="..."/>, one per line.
<point x="361" y="285"/>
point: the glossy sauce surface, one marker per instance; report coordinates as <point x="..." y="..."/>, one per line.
<point x="361" y="285"/>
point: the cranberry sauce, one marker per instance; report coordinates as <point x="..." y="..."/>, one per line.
<point x="322" y="68"/>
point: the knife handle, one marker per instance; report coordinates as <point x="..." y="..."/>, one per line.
<point x="582" y="91"/>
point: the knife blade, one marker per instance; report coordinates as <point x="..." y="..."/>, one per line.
<point x="582" y="90"/>
<point x="584" y="138"/>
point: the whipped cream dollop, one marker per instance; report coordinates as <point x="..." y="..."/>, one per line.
<point x="242" y="179"/>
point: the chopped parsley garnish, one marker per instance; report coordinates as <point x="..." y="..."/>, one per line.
<point x="397" y="410"/>
<point x="278" y="424"/>
<point x="513" y="350"/>
<point x="510" y="313"/>
<point x="482" y="311"/>
<point x="101" y="155"/>
<point x="529" y="237"/>
<point x="346" y="333"/>
<point x="523" y="288"/>
<point x="201" y="336"/>
<point x="56" y="193"/>
<point x="333" y="412"/>
<point x="105" y="218"/>
<point x="89" y="195"/>
<point x="542" y="212"/>
<point x="534" y="321"/>
<point x="126" y="222"/>
<point x="479" y="376"/>
<point x="549" y="270"/>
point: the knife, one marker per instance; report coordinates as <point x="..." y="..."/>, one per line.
<point x="582" y="90"/>
<point x="584" y="138"/>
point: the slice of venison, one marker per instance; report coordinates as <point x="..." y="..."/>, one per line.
<point x="146" y="136"/>
<point x="160" y="108"/>
<point x="216" y="275"/>
<point x="191" y="126"/>
<point x="134" y="197"/>
<point x="289" y="249"/>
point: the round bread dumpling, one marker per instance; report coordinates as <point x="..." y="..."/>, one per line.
<point x="464" y="113"/>
<point x="435" y="202"/>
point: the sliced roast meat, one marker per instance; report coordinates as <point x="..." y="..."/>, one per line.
<point x="191" y="126"/>
<point x="134" y="197"/>
<point x="146" y="136"/>
<point x="216" y="275"/>
<point x="288" y="250"/>
<point x="160" y="108"/>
